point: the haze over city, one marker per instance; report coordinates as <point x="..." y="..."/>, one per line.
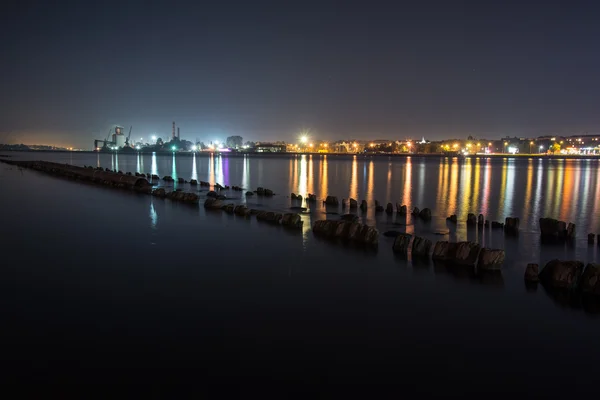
<point x="266" y="71"/>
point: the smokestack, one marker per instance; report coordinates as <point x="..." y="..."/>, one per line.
<point x="177" y="132"/>
<point x="173" y="129"/>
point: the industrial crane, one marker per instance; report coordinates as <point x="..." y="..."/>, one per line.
<point x="128" y="136"/>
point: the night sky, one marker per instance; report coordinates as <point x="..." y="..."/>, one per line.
<point x="268" y="70"/>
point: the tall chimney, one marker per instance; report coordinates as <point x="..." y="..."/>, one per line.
<point x="173" y="129"/>
<point x="177" y="132"/>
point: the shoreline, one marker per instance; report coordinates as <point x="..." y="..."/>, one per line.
<point x="365" y="155"/>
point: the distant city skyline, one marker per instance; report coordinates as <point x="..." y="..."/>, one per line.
<point x="388" y="71"/>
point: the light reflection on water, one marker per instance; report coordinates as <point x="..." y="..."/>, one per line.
<point x="497" y="188"/>
<point x="328" y="278"/>
<point x="303" y="186"/>
<point x="323" y="176"/>
<point x="174" y="170"/>
<point x="153" y="216"/>
<point x="354" y="179"/>
<point x="194" y="168"/>
<point x="510" y="188"/>
<point x="246" y="173"/>
<point x="154" y="166"/>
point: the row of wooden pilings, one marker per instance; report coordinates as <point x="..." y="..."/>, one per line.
<point x="556" y="273"/>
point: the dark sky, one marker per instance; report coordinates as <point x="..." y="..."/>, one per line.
<point x="268" y="70"/>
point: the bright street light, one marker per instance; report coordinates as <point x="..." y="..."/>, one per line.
<point x="154" y="138"/>
<point x="303" y="139"/>
<point x="194" y="148"/>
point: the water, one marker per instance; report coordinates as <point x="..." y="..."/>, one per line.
<point x="99" y="281"/>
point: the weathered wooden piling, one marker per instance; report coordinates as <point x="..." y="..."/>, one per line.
<point x="480" y="220"/>
<point x="420" y="247"/>
<point x="401" y="244"/>
<point x="363" y="205"/>
<point x="471" y="219"/>
<point x="425" y="214"/>
<point x="331" y="201"/>
<point x="511" y="225"/>
<point x="532" y="273"/>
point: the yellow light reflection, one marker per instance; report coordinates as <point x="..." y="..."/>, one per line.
<point x="211" y="169"/>
<point x="406" y="199"/>
<point x="291" y="177"/>
<point x="323" y="177"/>
<point x="440" y="186"/>
<point x="567" y="178"/>
<point x="465" y="188"/>
<point x="453" y="184"/>
<point x="303" y="186"/>
<point x="443" y="193"/>
<point x="310" y="175"/>
<point x="354" y="179"/>
<point x="371" y="184"/>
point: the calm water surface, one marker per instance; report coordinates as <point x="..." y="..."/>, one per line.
<point x="103" y="281"/>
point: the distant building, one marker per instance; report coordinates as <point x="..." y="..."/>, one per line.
<point x="270" y="148"/>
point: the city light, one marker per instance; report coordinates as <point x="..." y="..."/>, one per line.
<point x="154" y="138"/>
<point x="137" y="147"/>
<point x="173" y="148"/>
<point x="303" y="139"/>
<point x="220" y="145"/>
<point x="194" y="148"/>
<point x="217" y="142"/>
